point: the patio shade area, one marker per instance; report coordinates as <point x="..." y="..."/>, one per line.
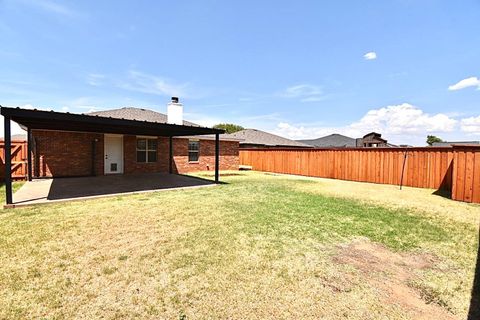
<point x="60" y="121"/>
<point x="65" y="189"/>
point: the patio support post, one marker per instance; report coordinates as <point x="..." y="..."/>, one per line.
<point x="94" y="154"/>
<point x="217" y="156"/>
<point x="8" y="161"/>
<point x="29" y="153"/>
<point x="170" y="156"/>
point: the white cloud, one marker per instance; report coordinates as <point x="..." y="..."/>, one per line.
<point x="203" y="120"/>
<point x="146" y="83"/>
<point x="54" y="7"/>
<point x="471" y="125"/>
<point x="255" y="121"/>
<point x="404" y="119"/>
<point x="400" y="124"/>
<point x="295" y="132"/>
<point x="134" y="80"/>
<point x="370" y="55"/>
<point x="313" y="99"/>
<point x="304" y="92"/>
<point x="81" y="103"/>
<point x="95" y="79"/>
<point x="51" y="7"/>
<point x="465" y="83"/>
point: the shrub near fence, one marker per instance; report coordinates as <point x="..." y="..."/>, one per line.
<point x="424" y="167"/>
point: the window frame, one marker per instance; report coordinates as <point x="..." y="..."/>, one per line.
<point x="147" y="149"/>
<point x="193" y="151"/>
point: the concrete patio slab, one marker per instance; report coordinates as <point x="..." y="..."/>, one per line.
<point x="67" y="189"/>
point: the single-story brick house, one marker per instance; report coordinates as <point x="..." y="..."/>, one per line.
<point x="120" y="141"/>
<point x="68" y="154"/>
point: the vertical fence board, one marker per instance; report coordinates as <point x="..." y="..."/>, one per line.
<point x="460" y="178"/>
<point x="469" y="158"/>
<point x="476" y="178"/>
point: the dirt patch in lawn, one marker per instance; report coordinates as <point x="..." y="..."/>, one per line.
<point x="391" y="273"/>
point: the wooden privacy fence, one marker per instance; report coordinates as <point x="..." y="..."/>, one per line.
<point x="421" y="167"/>
<point x="19" y="160"/>
<point x="466" y="174"/>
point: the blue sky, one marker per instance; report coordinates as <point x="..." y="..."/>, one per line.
<point x="301" y="69"/>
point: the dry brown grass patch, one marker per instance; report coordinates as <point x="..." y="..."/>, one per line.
<point x="391" y="273"/>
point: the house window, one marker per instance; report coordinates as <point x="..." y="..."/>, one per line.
<point x="193" y="150"/>
<point x="146" y="150"/>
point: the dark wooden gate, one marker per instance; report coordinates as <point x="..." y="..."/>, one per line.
<point x="19" y="160"/>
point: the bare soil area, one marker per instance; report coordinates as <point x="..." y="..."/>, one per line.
<point x="391" y="273"/>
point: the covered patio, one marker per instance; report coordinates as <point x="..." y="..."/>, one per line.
<point x="66" y="189"/>
<point x="44" y="190"/>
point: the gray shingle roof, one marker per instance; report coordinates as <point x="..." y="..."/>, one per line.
<point x="450" y="143"/>
<point x="334" y="140"/>
<point x="262" y="138"/>
<point x="140" y="114"/>
<point x="131" y="113"/>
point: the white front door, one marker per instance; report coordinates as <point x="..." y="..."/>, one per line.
<point x="113" y="153"/>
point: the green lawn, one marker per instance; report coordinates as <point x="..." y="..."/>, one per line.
<point x="259" y="246"/>
<point x="15" y="186"/>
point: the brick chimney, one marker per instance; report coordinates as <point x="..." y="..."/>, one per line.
<point x="175" y="112"/>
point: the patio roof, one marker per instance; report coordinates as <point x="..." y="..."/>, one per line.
<point x="61" y="121"/>
<point x="53" y="120"/>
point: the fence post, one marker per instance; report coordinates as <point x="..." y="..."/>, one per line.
<point x="403" y="168"/>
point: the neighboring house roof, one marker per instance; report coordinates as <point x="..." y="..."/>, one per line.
<point x="16" y="137"/>
<point x="19" y="137"/>
<point x="140" y="114"/>
<point x="222" y="136"/>
<point x="450" y="143"/>
<point x="391" y="145"/>
<point x="262" y="138"/>
<point x="373" y="136"/>
<point x="333" y="140"/>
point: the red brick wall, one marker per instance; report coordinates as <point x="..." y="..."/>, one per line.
<point x="228" y="156"/>
<point x="62" y="154"/>
<point x="70" y="154"/>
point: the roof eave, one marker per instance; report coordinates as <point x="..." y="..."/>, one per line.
<point x="53" y="120"/>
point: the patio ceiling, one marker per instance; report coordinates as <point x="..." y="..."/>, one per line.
<point x="52" y="120"/>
